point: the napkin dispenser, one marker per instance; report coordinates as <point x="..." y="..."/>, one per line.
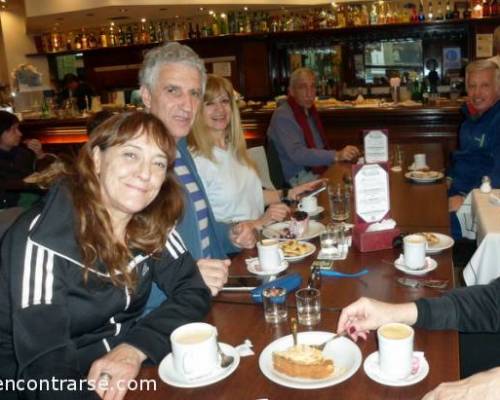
<point x="290" y="282"/>
<point x="377" y="240"/>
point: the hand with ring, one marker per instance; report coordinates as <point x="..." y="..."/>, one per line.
<point x="112" y="373"/>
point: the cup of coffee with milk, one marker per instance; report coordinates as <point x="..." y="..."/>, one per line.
<point x="414" y="251"/>
<point x="194" y="350"/>
<point x="308" y="204"/>
<point x="395" y="349"/>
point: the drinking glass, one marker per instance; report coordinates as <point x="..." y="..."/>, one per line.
<point x="340" y="203"/>
<point x="308" y="306"/>
<point x="275" y="309"/>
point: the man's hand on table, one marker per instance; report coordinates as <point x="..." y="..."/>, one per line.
<point x="455" y="202"/>
<point x="348" y="153"/>
<point x="214" y="273"/>
<point x="367" y="314"/>
<point x="483" y="386"/>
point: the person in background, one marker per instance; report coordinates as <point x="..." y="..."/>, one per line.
<point x="496" y="47"/>
<point x="228" y="173"/>
<point x="469" y="309"/>
<point x="75" y="88"/>
<point x="172" y="79"/>
<point x="97" y="119"/>
<point x="90" y="252"/>
<point x="17" y="161"/>
<point x="297" y="133"/>
<point x="478" y="154"/>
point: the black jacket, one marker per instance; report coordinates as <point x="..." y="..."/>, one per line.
<point x="52" y="324"/>
<point x="468" y="309"/>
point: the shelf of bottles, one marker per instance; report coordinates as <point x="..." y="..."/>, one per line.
<point x="247" y="22"/>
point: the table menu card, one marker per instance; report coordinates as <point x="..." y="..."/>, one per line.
<point x="376" y="144"/>
<point x="371" y="192"/>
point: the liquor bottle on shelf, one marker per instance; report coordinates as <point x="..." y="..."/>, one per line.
<point x="152" y="33"/>
<point x="232" y="23"/>
<point x="191" y="31"/>
<point x="84" y="40"/>
<point x="468" y="11"/>
<point x="486" y="8"/>
<point x="494" y="10"/>
<point x="70" y="41"/>
<point x="439" y="11"/>
<point x="477" y="9"/>
<point x="430" y="14"/>
<point x="421" y="14"/>
<point x="449" y="11"/>
<point x="103" y="39"/>
<point x="113" y="41"/>
<point x="373" y="15"/>
<point x="144" y="34"/>
<point x="92" y="40"/>
<point x="129" y="35"/>
<point x="223" y="24"/>
<point x="198" y="32"/>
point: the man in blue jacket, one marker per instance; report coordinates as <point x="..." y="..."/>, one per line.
<point x="478" y="154"/>
<point x="172" y="80"/>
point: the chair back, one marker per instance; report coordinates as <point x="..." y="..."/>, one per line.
<point x="258" y="155"/>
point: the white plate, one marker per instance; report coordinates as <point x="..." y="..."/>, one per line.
<point x="345" y="354"/>
<point x="253" y="266"/>
<point x="445" y="242"/>
<point x="311" y="249"/>
<point x="169" y="375"/>
<point x="273" y="231"/>
<point x="318" y="211"/>
<point x="373" y="371"/>
<point x="430" y="265"/>
<point x="411" y="176"/>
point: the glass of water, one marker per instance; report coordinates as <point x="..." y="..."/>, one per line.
<point x="308" y="306"/>
<point x="340" y="203"/>
<point x="275" y="309"/>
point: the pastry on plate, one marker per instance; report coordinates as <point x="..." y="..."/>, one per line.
<point x="303" y="361"/>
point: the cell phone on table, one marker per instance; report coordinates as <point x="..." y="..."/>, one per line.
<point x="241" y="283"/>
<point x="318" y="189"/>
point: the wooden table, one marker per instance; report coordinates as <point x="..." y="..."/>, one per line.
<point x="415" y="207"/>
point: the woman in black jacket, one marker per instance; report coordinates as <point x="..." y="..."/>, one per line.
<point x="76" y="270"/>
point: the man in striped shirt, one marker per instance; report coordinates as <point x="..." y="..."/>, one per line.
<point x="172" y="81"/>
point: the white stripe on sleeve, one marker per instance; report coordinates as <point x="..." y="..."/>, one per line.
<point x="49" y="280"/>
<point x="26" y="274"/>
<point x="38" y="284"/>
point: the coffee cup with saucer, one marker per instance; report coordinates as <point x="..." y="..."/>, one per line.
<point x="420" y="369"/>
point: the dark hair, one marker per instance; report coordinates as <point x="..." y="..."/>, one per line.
<point x="148" y="229"/>
<point x="98" y="119"/>
<point x="7" y="119"/>
<point x="68" y="78"/>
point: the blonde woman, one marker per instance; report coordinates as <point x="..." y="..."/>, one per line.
<point x="228" y="173"/>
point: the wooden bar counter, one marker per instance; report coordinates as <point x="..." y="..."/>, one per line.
<point x="343" y="126"/>
<point x="237" y="319"/>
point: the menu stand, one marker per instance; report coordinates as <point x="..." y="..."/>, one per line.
<point x="372" y="205"/>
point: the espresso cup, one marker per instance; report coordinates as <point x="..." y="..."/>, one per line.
<point x="194" y="350"/>
<point x="270" y="254"/>
<point x="308" y="204"/>
<point x="414" y="251"/>
<point x="395" y="349"/>
<point x="419" y="161"/>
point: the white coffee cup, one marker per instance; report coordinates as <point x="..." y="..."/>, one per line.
<point x="419" y="161"/>
<point x="308" y="204"/>
<point x="395" y="349"/>
<point x="194" y="350"/>
<point x="270" y="254"/>
<point x="414" y="251"/>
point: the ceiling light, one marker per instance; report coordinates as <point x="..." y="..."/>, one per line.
<point x="143" y="20"/>
<point x="245" y="8"/>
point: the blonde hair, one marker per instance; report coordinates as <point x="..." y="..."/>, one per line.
<point x="482" y="65"/>
<point x="202" y="143"/>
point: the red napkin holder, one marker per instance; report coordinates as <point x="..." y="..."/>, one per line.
<point x="371" y="241"/>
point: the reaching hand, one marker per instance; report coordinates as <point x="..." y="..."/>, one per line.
<point x="214" y="273"/>
<point x="113" y="372"/>
<point x="296" y="191"/>
<point x="243" y="235"/>
<point x="35" y="146"/>
<point x="366" y="314"/>
<point x="484" y="386"/>
<point x="275" y="212"/>
<point x="348" y="153"/>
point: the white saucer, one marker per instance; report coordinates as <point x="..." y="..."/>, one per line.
<point x="373" y="371"/>
<point x="253" y="266"/>
<point x="430" y="265"/>
<point x="169" y="375"/>
<point x="318" y="211"/>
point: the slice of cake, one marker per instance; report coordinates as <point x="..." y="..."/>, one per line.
<point x="302" y="361"/>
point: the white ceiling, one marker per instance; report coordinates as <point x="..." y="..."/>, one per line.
<point x="43" y="15"/>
